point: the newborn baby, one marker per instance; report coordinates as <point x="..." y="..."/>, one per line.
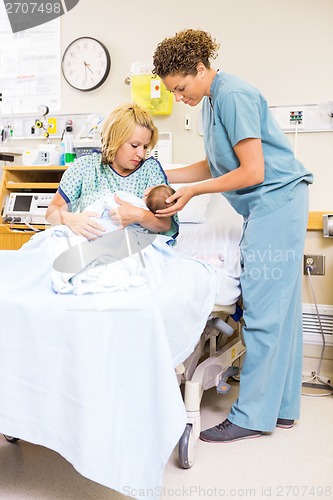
<point x="155" y="200"/>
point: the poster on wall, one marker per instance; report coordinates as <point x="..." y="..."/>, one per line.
<point x="29" y="67"/>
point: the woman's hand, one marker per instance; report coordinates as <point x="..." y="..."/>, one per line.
<point x="125" y="214"/>
<point x="82" y="224"/>
<point x="182" y="196"/>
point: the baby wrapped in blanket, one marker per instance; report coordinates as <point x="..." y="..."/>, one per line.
<point x="101" y="275"/>
<point x="154" y="200"/>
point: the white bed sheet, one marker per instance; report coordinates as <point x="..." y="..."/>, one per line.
<point x="221" y="235"/>
<point x="93" y="376"/>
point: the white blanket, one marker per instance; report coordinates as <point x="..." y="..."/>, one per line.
<point x="103" y="205"/>
<point x="80" y="266"/>
<point x="219" y="236"/>
<point x="92" y="376"/>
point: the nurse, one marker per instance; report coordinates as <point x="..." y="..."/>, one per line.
<point x="249" y="160"/>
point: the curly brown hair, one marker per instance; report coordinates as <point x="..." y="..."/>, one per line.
<point x="181" y="53"/>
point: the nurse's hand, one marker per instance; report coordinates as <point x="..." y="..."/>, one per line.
<point x="182" y="196"/>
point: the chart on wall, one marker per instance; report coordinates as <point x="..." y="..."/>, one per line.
<point x="29" y="67"/>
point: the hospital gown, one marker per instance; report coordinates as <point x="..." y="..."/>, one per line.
<point x="88" y="179"/>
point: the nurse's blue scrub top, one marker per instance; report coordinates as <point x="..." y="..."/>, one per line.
<point x="236" y="111"/>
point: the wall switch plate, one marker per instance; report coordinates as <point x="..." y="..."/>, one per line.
<point x="315" y="264"/>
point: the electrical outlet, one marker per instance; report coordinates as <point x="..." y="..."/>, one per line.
<point x="315" y="264"/>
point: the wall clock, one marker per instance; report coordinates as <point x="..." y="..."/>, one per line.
<point x="86" y="63"/>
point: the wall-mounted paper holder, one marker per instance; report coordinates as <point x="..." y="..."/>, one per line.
<point x="328" y="225"/>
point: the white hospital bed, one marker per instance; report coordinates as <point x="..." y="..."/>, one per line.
<point x="92" y="376"/>
<point x="221" y="345"/>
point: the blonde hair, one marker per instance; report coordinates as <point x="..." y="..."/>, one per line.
<point x="181" y="53"/>
<point x="120" y="125"/>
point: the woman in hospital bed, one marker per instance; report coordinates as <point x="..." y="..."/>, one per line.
<point x="102" y="365"/>
<point x="127" y="134"/>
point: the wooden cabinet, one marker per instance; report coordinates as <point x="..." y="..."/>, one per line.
<point x="24" y="179"/>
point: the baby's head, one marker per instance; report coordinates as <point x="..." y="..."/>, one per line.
<point x="155" y="200"/>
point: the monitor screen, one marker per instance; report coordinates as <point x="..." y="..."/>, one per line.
<point x="22" y="203"/>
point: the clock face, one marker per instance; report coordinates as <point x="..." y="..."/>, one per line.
<point x="86" y="63"/>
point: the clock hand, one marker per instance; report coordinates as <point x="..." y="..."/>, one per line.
<point x="88" y="66"/>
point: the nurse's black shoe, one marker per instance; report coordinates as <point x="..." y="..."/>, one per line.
<point x="227" y="432"/>
<point x="284" y="423"/>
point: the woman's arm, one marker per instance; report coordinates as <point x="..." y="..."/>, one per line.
<point x="127" y="214"/>
<point x="192" y="173"/>
<point x="251" y="171"/>
<point x="80" y="223"/>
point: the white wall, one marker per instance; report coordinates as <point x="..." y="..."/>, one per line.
<point x="283" y="47"/>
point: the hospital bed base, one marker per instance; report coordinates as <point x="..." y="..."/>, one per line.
<point x="213" y="371"/>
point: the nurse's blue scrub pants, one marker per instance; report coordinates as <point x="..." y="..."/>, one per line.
<point x="271" y="257"/>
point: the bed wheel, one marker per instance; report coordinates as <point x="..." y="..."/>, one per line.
<point x="187" y="448"/>
<point x="11" y="439"/>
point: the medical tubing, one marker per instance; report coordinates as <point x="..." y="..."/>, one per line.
<point x="26" y="222"/>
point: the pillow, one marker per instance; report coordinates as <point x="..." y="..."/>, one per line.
<point x="195" y="211"/>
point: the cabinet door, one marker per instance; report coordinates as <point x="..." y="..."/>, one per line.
<point x="12" y="241"/>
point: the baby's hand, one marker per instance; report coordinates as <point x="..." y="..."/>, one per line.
<point x="118" y="200"/>
<point x="147" y="191"/>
